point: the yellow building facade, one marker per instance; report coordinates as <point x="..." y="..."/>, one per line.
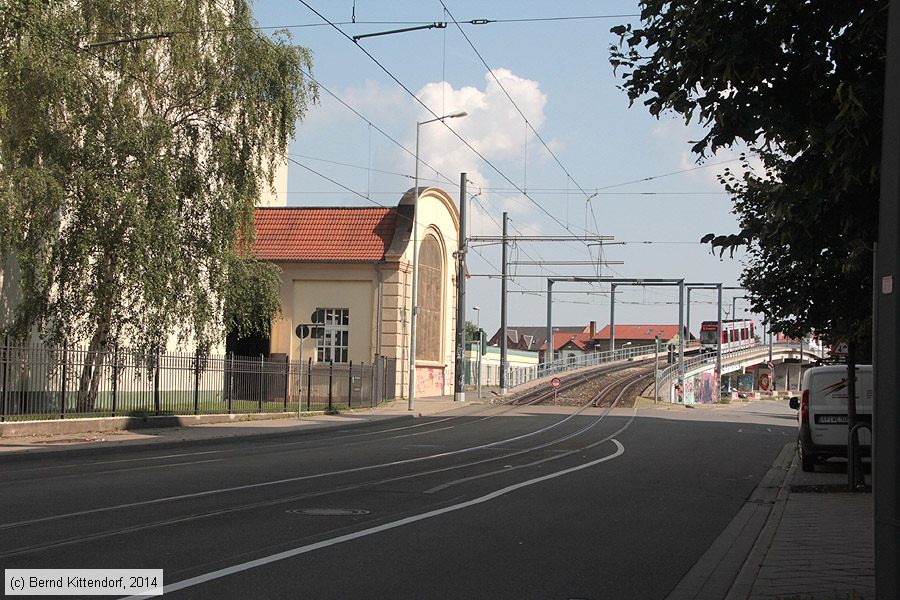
<point x="348" y="272"/>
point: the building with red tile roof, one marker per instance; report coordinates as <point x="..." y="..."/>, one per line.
<point x="638" y="335"/>
<point x="355" y="265"/>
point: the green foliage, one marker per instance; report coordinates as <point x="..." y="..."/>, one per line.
<point x="471" y="331"/>
<point x="129" y="172"/>
<point x="251" y="296"/>
<point x="801" y="84"/>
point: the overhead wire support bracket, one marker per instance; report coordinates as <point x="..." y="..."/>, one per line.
<point x="560" y="263"/>
<point x="437" y="25"/>
<point x="541" y="238"/>
<point x="128" y="40"/>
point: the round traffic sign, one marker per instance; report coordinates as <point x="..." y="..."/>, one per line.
<point x="555" y="382"/>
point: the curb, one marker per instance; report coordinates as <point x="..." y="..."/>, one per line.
<point x="743" y="584"/>
<point x="10" y="429"/>
<point x="104" y="447"/>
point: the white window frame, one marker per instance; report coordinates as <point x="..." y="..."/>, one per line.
<point x="334" y="343"/>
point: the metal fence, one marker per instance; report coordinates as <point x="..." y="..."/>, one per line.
<point x="41" y="382"/>
<point x="516" y="376"/>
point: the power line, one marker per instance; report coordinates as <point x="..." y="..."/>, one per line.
<point x="510" y="98"/>
<point x="427" y="108"/>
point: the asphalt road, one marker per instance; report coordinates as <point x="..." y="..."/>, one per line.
<point x="488" y="503"/>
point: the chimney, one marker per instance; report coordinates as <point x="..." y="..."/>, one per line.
<point x="593" y="329"/>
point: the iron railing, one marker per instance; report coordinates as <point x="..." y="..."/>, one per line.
<point x="669" y="375"/>
<point x="516" y="376"/>
<point x="43" y="382"/>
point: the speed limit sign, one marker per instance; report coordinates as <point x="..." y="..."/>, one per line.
<point x="555" y="382"/>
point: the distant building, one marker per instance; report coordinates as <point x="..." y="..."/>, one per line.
<point x="639" y="335"/>
<point x="355" y="265"/>
<point x="568" y="341"/>
<point x="530" y="338"/>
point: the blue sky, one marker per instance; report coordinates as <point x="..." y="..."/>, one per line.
<point x="559" y="76"/>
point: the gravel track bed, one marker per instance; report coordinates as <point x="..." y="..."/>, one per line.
<point x="592" y="385"/>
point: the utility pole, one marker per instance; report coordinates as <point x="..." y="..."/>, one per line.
<point x="681" y="332"/>
<point x="612" y="317"/>
<point x="459" y="388"/>
<point x="656" y="371"/>
<point x="719" y="341"/>
<point x="548" y="354"/>
<point x="687" y="319"/>
<point x="503" y="282"/>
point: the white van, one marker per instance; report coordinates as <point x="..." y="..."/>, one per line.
<point x="823" y="412"/>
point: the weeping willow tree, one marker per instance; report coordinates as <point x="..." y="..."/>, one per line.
<point x="135" y="140"/>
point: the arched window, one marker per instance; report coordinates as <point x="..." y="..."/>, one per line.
<point x="429" y="299"/>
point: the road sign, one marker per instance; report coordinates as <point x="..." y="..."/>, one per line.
<point x="555" y="382"/>
<point x="304" y="330"/>
<point x="839" y="349"/>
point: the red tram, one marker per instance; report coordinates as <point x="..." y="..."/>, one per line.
<point x="736" y="333"/>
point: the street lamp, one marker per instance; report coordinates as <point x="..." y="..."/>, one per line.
<point x="477" y="310"/>
<point x="415" y="262"/>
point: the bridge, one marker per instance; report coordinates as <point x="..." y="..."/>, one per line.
<point x="780" y="376"/>
<point x="786" y="358"/>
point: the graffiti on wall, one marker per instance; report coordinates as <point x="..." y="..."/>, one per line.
<point x="429" y="381"/>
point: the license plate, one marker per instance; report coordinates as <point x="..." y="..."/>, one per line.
<point x="831" y="419"/>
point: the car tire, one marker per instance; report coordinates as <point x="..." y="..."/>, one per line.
<point x="807" y="462"/>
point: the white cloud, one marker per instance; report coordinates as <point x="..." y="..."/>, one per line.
<point x="493" y="126"/>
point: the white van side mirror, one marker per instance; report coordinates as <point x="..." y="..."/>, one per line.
<point x="795" y="403"/>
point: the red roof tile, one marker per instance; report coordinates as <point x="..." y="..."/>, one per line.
<point x="324" y="234"/>
<point x="560" y="339"/>
<point x="639" y="332"/>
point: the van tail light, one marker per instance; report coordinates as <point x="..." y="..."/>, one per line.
<point x="804" y="407"/>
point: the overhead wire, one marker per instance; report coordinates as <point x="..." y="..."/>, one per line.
<point x="405" y="88"/>
<point x="355" y="22"/>
<point x="528" y="126"/>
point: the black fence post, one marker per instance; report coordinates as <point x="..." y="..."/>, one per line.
<point x="330" y="384"/>
<point x="264" y="388"/>
<point x="62" y="392"/>
<point x="374" y="382"/>
<point x="156" y="383"/>
<point x="6" y="361"/>
<point x="197" y="381"/>
<point x="115" y="378"/>
<point x="287" y="380"/>
<point x="350" y="385"/>
<point x="230" y="381"/>
<point x="309" y="385"/>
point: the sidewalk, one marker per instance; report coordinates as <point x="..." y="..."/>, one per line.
<point x="208" y="432"/>
<point x="800" y="536"/>
<point x="817" y="543"/>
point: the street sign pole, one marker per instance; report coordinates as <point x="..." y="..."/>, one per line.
<point x="300" y="377"/>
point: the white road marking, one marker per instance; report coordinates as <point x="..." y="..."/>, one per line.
<point x="193" y="581"/>
<point x="279" y="481"/>
<point x="562" y="454"/>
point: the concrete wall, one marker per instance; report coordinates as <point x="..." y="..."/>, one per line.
<point x="277" y="195"/>
<point x="437" y="214"/>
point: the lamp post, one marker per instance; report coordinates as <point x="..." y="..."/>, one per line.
<point x="477" y="310"/>
<point x="415" y="262"/>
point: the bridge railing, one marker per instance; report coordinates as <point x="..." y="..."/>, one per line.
<point x="516" y="376"/>
<point x="669" y="375"/>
